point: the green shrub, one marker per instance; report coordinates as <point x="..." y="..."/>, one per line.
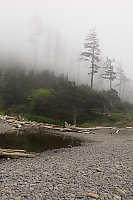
<point x="38" y="118"/>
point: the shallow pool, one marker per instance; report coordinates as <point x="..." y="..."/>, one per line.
<point x="37" y="142"/>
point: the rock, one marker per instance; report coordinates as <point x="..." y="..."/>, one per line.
<point x="116" y="172"/>
<point x="120" y="191"/>
<point x="93" y="195"/>
<point x="106" y="196"/>
<point x="116" y="197"/>
<point x="18" y="198"/>
<point x="117" y="166"/>
<point x="98" y="170"/>
<point x="117" y="131"/>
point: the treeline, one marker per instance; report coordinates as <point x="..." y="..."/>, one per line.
<point x="42" y="93"/>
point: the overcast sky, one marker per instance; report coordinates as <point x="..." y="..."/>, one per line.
<point x="72" y="19"/>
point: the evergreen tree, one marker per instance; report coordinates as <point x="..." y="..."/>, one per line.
<point x="91" y="53"/>
<point x="109" y="74"/>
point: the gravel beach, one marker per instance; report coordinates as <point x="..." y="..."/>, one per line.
<point x="102" y="169"/>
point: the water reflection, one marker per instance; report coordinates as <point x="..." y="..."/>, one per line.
<point x="36" y="142"/>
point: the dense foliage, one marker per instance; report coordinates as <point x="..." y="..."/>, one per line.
<point x="54" y="98"/>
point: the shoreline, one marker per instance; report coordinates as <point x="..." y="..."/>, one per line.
<point x="101" y="168"/>
<point x="10" y="124"/>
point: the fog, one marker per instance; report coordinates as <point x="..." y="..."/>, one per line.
<point x="49" y="34"/>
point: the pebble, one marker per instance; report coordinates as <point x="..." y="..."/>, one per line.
<point x="116" y="197"/>
<point x="73" y="173"/>
<point x="93" y="195"/>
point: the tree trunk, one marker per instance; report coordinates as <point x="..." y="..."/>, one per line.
<point x="11" y="153"/>
<point x="92" y="71"/>
<point x="74" y="116"/>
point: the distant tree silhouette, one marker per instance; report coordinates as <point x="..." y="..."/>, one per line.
<point x="109" y="72"/>
<point x="91" y="53"/>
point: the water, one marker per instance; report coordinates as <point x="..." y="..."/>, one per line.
<point x="36" y="142"/>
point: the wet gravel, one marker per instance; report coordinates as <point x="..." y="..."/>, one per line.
<point x="104" y="167"/>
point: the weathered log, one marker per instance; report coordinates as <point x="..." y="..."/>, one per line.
<point x="13" y="150"/>
<point x="11" y="153"/>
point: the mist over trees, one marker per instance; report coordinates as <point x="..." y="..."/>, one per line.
<point x="48" y="47"/>
<point x="53" y="97"/>
<point x="91" y="54"/>
<point x="109" y="73"/>
<point x="61" y="82"/>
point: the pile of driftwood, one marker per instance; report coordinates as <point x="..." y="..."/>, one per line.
<point x="11" y="153"/>
<point x="12" y="124"/>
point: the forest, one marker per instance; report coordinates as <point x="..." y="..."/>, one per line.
<point x="44" y="96"/>
<point x="51" y="96"/>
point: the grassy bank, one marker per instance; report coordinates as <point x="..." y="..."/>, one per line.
<point x="94" y="119"/>
<point x="113" y="119"/>
<point x="43" y="119"/>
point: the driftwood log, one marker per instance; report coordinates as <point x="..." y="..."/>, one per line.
<point x="11" y="153"/>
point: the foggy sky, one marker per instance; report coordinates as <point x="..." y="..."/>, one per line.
<point x="66" y="22"/>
